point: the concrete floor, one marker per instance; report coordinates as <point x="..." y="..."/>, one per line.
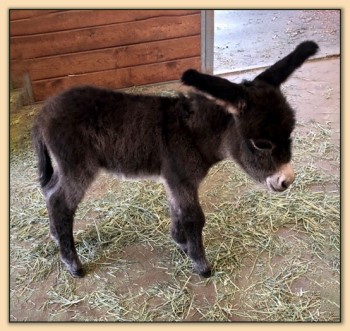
<point x="254" y="38"/>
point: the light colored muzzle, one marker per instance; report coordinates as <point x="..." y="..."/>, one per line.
<point x="282" y="179"/>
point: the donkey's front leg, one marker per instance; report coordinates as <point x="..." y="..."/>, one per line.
<point x="187" y="225"/>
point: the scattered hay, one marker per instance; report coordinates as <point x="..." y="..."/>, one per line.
<point x="276" y="256"/>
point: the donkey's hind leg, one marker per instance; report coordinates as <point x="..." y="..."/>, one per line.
<point x="48" y="190"/>
<point x="62" y="199"/>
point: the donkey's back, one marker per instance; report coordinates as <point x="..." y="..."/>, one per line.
<point x="90" y="128"/>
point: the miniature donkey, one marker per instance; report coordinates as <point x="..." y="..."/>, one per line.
<point x="175" y="139"/>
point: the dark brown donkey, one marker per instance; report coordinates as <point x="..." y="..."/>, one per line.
<point x="175" y="139"/>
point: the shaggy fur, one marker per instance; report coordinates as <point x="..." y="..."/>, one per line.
<point x="176" y="139"/>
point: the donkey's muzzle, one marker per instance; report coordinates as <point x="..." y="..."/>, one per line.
<point x="282" y="179"/>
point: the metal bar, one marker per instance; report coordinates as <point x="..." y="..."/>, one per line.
<point x="207" y="41"/>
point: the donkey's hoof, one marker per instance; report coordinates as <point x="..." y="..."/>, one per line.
<point x="78" y="273"/>
<point x="203" y="270"/>
<point x="207" y="273"/>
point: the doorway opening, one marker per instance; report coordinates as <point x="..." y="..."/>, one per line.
<point x="248" y="39"/>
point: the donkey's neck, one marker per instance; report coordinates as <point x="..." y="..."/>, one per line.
<point x="209" y="123"/>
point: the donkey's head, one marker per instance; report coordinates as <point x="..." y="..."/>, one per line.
<point x="264" y="120"/>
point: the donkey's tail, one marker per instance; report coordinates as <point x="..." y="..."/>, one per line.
<point x="44" y="160"/>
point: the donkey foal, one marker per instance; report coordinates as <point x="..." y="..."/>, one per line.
<point x="176" y="139"/>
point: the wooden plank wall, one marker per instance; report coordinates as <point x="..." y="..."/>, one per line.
<point x="109" y="48"/>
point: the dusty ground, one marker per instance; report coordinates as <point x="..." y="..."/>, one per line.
<point x="142" y="278"/>
<point x="154" y="278"/>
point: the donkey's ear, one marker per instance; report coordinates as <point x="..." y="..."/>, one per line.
<point x="282" y="69"/>
<point x="229" y="95"/>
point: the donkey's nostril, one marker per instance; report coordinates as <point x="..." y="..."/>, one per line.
<point x="284" y="184"/>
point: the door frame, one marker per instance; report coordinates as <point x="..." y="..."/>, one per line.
<point x="207" y="41"/>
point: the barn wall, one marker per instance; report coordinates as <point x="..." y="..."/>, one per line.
<point x="109" y="48"/>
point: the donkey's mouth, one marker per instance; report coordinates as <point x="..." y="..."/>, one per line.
<point x="273" y="188"/>
<point x="281" y="180"/>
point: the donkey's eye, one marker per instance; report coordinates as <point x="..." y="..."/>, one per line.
<point x="262" y="144"/>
